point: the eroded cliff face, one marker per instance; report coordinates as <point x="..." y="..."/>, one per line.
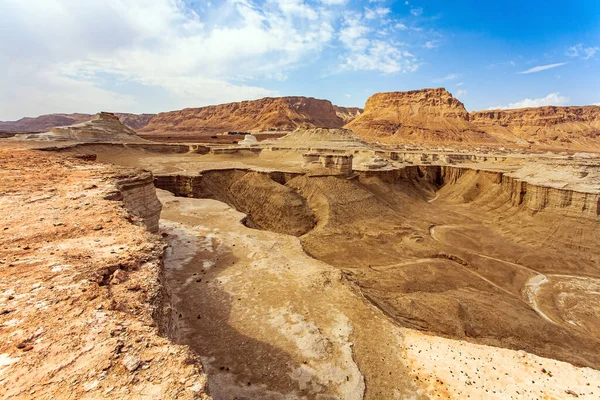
<point x="533" y="197"/>
<point x="348" y="113"/>
<point x="543" y="125"/>
<point x="268" y="114"/>
<point x="419" y="116"/>
<point x="138" y="194"/>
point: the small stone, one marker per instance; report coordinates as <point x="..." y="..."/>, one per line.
<point x="131" y="362"/>
<point x="26" y="247"/>
<point x="97" y="228"/>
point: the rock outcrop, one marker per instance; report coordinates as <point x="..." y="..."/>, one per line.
<point x="348" y="114"/>
<point x="543" y="125"/>
<point x="44" y="123"/>
<point x="264" y="115"/>
<point x="427" y="116"/>
<point x="106" y="127"/>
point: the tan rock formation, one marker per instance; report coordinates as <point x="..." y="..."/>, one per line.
<point x="268" y="114"/>
<point x="104" y="128"/>
<point x="419" y="116"/>
<point x="543" y="125"/>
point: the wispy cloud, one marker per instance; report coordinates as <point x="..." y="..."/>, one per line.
<point x="431" y="44"/>
<point x="417" y="11"/>
<point x="461" y="92"/>
<point x="540" y="68"/>
<point x="579" y="50"/>
<point x="449" y="77"/>
<point x="552" y="99"/>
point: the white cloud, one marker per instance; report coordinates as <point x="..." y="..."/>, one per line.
<point x="552" y="99"/>
<point x="449" y="77"/>
<point x="596" y="104"/>
<point x="379" y="12"/>
<point x="333" y="2"/>
<point x="461" y="92"/>
<point x="152" y="55"/>
<point x="431" y="44"/>
<point x="579" y="50"/>
<point x="460" y="84"/>
<point x="540" y="68"/>
<point x="162" y="48"/>
<point x="417" y="11"/>
<point x="365" y="53"/>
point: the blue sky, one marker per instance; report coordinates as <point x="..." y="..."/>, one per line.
<point x="160" y="55"/>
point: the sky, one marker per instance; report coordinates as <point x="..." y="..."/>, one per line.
<point x="148" y="56"/>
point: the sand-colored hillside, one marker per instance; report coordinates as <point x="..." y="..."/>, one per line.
<point x="561" y="126"/>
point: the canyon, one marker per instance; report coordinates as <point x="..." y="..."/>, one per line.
<point x="412" y="249"/>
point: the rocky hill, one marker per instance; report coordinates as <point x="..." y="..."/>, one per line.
<point x="106" y="127"/>
<point x="579" y="126"/>
<point x="427" y="116"/>
<point x="268" y="114"/>
<point x="44" y="123"/>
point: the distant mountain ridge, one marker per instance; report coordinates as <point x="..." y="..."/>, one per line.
<point x="273" y="114"/>
<point x="421" y="117"/>
<point x="45" y="123"/>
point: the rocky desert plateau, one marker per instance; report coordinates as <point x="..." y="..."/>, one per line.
<point x="287" y="248"/>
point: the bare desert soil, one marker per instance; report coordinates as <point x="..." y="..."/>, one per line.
<point x="426" y="275"/>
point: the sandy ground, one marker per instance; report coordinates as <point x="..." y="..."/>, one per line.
<point x="268" y="320"/>
<point x="299" y="330"/>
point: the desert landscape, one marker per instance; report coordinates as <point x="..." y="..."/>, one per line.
<point x="289" y="248"/>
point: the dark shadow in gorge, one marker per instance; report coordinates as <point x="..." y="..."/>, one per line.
<point x="376" y="228"/>
<point x="203" y="309"/>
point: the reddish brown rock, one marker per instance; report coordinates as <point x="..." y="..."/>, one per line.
<point x="268" y="114"/>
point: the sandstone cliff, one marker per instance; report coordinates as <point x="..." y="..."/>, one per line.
<point x="427" y="116"/>
<point x="268" y="114"/>
<point x="543" y="125"/>
<point x="44" y="123"/>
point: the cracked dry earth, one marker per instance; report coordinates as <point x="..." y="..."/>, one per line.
<point x="425" y="282"/>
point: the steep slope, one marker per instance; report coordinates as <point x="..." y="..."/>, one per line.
<point x="544" y="125"/>
<point x="44" y="123"/>
<point x="427" y="116"/>
<point x="268" y="114"/>
<point x="347" y="113"/>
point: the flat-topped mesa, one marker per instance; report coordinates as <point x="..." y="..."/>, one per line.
<point x="546" y="125"/>
<point x="419" y="116"/>
<point x="264" y="115"/>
